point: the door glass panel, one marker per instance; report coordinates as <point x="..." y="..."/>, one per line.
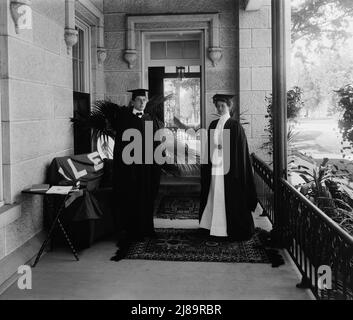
<point x="182" y="111"/>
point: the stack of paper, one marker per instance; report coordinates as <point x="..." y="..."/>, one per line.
<point x="59" y="190"/>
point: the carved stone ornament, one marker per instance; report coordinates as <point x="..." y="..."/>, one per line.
<point x="130" y="57"/>
<point x="101" y="55"/>
<point x="71" y="37"/>
<point x="21" y="13"/>
<point x="215" y="54"/>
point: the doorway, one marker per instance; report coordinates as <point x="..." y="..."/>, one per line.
<point x="182" y="115"/>
<point x="174" y="68"/>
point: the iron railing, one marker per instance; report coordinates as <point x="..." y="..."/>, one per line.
<point x="321" y="249"/>
<point x="263" y="175"/>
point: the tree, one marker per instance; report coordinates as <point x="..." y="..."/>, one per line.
<point x="316" y="20"/>
<point x="294" y="105"/>
<point x="319" y="75"/>
<point x="321" y="51"/>
<point x="346" y="122"/>
<point x="192" y="85"/>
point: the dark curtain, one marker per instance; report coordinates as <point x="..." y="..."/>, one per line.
<point x="82" y="136"/>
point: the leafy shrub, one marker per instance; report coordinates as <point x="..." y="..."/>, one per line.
<point x="345" y="123"/>
<point x="294" y="106"/>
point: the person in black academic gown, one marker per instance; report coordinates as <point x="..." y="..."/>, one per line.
<point x="149" y="112"/>
<point x="227" y="200"/>
<point x="135" y="186"/>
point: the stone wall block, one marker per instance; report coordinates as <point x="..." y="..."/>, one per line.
<point x="261" y="78"/>
<point x="255" y="57"/>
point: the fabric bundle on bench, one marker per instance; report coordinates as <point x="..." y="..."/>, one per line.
<point x="89" y="217"/>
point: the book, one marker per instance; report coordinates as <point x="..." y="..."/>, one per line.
<point x="39" y="187"/>
<point x="59" y="190"/>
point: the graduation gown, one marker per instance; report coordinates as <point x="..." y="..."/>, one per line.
<point x="214" y="215"/>
<point x="240" y="197"/>
<point x="134" y="185"/>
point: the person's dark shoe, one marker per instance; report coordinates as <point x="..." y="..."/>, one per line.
<point x="118" y="256"/>
<point x="121" y="252"/>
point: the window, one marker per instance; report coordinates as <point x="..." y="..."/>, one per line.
<point x="81" y="70"/>
<point x="81" y="59"/>
<point x="164" y="50"/>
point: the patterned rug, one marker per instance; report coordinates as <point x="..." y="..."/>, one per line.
<point x="192" y="245"/>
<point x="179" y="207"/>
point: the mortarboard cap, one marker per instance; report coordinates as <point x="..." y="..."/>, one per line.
<point x="222" y="97"/>
<point x="138" y="92"/>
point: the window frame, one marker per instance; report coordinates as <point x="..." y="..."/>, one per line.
<point x="2" y="202"/>
<point x="86" y="29"/>
<point x="150" y="37"/>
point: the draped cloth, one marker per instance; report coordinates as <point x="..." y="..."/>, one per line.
<point x="239" y="192"/>
<point x="86" y="168"/>
<point x="88" y="217"/>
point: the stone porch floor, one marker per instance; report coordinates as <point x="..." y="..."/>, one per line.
<point x="57" y="276"/>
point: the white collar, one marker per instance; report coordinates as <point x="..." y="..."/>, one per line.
<point x="225" y="116"/>
<point x="134" y="111"/>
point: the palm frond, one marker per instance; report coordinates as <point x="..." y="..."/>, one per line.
<point x="155" y="107"/>
<point x="183" y="126"/>
<point x="183" y="156"/>
<point x="102" y="118"/>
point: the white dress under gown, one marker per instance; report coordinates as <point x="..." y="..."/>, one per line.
<point x="214" y="215"/>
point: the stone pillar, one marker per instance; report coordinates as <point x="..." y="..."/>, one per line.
<point x="255" y="73"/>
<point x="279" y="111"/>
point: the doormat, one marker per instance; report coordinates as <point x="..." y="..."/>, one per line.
<point x="179" y="207"/>
<point x="194" y="245"/>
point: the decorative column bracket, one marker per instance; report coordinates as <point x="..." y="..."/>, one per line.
<point x="71" y="34"/>
<point x="71" y="37"/>
<point x="101" y="51"/>
<point x="21" y="13"/>
<point x="215" y="55"/>
<point x="101" y="55"/>
<point x="130" y="56"/>
<point x="215" y="52"/>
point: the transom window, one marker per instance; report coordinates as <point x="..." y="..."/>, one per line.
<point x="165" y="50"/>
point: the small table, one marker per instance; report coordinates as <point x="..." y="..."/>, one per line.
<point x="56" y="221"/>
